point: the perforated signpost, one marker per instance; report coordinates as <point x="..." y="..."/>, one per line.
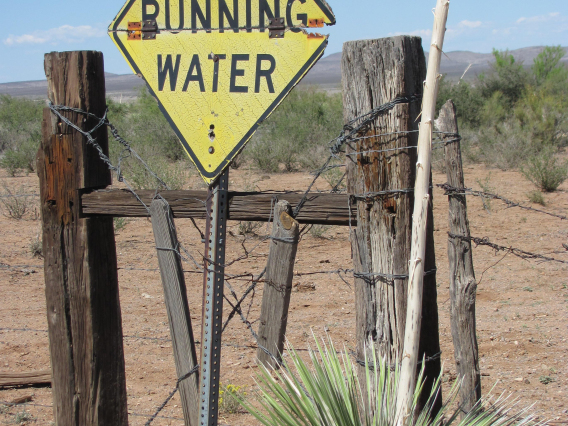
<point x="218" y="69"/>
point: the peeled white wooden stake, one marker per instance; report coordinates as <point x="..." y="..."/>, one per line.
<point x="421" y="193"/>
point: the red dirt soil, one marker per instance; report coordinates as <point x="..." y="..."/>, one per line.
<point x="522" y="305"/>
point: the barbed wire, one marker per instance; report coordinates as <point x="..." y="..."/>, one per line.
<point x="436" y="144"/>
<point x="127" y="151"/>
<point x="370" y="196"/>
<point x="452" y="190"/>
<point x="526" y="255"/>
<point x="393" y="366"/>
<point x="351" y="130"/>
<point x="186" y="376"/>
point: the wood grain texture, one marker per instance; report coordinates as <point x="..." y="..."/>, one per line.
<point x="32" y="378"/>
<point x="324" y="209"/>
<point x="376" y="72"/>
<point x="179" y="317"/>
<point x="83" y="308"/>
<point x="278" y="286"/>
<point x="463" y="286"/>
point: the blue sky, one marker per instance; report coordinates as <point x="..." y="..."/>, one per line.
<point x="30" y="28"/>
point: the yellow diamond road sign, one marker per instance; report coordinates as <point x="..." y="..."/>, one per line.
<point x="220" y="67"/>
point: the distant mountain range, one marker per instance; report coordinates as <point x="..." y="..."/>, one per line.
<point x="326" y="74"/>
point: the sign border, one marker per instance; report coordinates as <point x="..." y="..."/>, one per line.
<point x="225" y="163"/>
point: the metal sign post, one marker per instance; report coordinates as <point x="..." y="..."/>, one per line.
<point x="213" y="285"/>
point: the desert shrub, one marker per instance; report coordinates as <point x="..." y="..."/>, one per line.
<point x="143" y="123"/>
<point x="544" y="117"/>
<point x="513" y="113"/>
<point x="546" y="380"/>
<point x="545" y="170"/>
<point x="547" y="66"/>
<point x="536" y="197"/>
<point x="229" y="397"/>
<point x="486" y="187"/>
<point x="297" y="133"/>
<point x="248" y="228"/>
<point x="507" y="76"/>
<point x="503" y="145"/>
<point x="20" y="133"/>
<point x="23" y="417"/>
<point x="466" y="97"/>
<point x="22" y="156"/>
<point x="119" y="224"/>
<point x="36" y="246"/>
<point x="173" y="174"/>
<point x="336" y="176"/>
<point x="17" y="203"/>
<point x="319" y="231"/>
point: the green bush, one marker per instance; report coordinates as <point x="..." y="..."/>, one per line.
<point x="143" y="125"/>
<point x="513" y="113"/>
<point x="545" y="170"/>
<point x="536" y="197"/>
<point x="466" y="97"/>
<point x="20" y="157"/>
<point x="173" y="174"/>
<point x="296" y="135"/>
<point x="547" y="66"/>
<point x="504" y="145"/>
<point x="507" y="76"/>
<point x="16" y="203"/>
<point x="36" y="246"/>
<point x="20" y="133"/>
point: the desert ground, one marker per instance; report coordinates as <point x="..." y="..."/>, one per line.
<point x="522" y="305"/>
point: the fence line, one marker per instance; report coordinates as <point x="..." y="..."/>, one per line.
<point x="512" y="250"/>
<point x="351" y="133"/>
<point x="353" y="128"/>
<point x="449" y="190"/>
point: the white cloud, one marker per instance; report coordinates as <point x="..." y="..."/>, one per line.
<point x="63" y="34"/>
<point x="421" y="33"/>
<point x="470" y="24"/>
<point x="467" y="28"/>
<point x="553" y="16"/>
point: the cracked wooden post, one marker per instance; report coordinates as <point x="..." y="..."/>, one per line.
<point x="422" y="198"/>
<point x="278" y="286"/>
<point x="179" y="318"/>
<point x="463" y="286"/>
<point x="81" y="279"/>
<point x="376" y="72"/>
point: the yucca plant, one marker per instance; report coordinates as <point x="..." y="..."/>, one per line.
<point x="329" y="393"/>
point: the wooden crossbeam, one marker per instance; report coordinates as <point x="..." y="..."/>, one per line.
<point x="319" y="209"/>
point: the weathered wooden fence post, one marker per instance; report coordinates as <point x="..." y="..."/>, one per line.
<point x="463" y="286"/>
<point x="278" y="286"/>
<point x="81" y="279"/>
<point x="376" y="72"/>
<point x="179" y="318"/>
